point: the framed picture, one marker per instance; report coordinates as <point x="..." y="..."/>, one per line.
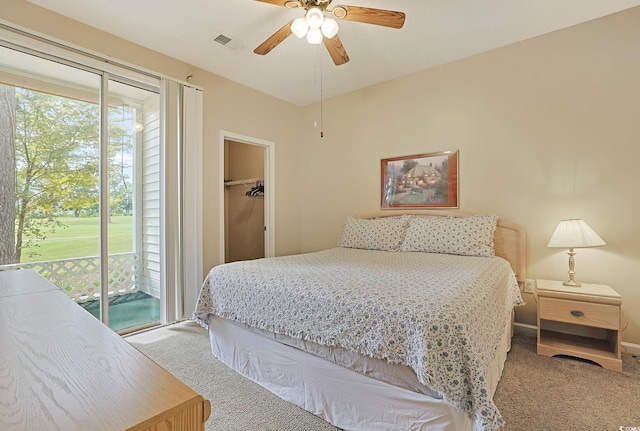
<point x="420" y="181"/>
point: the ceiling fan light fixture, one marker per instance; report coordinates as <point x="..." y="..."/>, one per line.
<point x="329" y="28"/>
<point x="299" y="27"/>
<point x="314" y="18"/>
<point x="319" y="28"/>
<point x="314" y="36"/>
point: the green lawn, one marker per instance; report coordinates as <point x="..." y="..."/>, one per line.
<point x="81" y="238"/>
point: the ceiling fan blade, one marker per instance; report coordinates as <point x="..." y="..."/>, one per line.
<point x="336" y="50"/>
<point x="274" y="40"/>
<point x="387" y="18"/>
<point x="283" y="3"/>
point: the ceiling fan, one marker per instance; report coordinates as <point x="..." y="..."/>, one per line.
<point x="320" y="29"/>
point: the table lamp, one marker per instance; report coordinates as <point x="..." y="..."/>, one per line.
<point x="572" y="234"/>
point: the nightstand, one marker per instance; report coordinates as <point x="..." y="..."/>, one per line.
<point x="581" y="310"/>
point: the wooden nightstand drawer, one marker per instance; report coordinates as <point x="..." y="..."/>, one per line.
<point x="580" y="313"/>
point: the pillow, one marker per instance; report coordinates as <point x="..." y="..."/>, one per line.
<point x="466" y="236"/>
<point x="385" y="233"/>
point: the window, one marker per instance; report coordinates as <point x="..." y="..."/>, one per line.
<point x="80" y="184"/>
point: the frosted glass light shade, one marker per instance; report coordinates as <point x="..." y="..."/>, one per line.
<point x="574" y="234"/>
<point x="329" y="28"/>
<point x="299" y="27"/>
<point x="314" y="17"/>
<point x="315" y="26"/>
<point x="314" y="37"/>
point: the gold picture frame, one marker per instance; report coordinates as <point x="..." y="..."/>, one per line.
<point x="427" y="180"/>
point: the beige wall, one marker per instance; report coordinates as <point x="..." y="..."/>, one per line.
<point x="547" y="129"/>
<point x="227" y="106"/>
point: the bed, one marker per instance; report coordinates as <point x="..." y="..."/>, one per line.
<point x="404" y="325"/>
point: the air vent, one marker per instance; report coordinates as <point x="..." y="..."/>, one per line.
<point x="222" y="39"/>
<point x="229" y="42"/>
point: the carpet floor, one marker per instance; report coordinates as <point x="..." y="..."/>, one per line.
<point x="536" y="393"/>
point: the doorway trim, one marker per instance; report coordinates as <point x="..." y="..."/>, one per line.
<point x="269" y="190"/>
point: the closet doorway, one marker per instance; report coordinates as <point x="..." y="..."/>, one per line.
<point x="247" y="198"/>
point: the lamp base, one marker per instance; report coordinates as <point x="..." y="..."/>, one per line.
<point x="572" y="262"/>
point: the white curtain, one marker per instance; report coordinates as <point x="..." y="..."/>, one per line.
<point x="181" y="199"/>
<point x="169" y="200"/>
<point x="192" y="198"/>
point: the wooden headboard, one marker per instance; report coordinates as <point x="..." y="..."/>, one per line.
<point x="509" y="238"/>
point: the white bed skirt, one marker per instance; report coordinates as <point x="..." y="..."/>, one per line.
<point x="344" y="398"/>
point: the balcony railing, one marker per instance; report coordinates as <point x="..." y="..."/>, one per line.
<point x="79" y="277"/>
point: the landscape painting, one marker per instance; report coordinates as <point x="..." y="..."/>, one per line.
<point x="420" y="181"/>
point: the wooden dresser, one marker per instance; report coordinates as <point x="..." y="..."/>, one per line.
<point x="61" y="369"/>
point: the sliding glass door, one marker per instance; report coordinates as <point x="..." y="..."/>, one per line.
<point x="132" y="205"/>
<point x="79" y="183"/>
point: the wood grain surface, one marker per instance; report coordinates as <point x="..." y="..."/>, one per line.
<point x="62" y="369"/>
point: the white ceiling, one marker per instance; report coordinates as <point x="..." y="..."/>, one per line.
<point x="435" y="32"/>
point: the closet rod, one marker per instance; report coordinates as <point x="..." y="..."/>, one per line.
<point x="238" y="182"/>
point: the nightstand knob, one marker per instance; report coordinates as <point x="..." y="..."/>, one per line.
<point x="577" y="313"/>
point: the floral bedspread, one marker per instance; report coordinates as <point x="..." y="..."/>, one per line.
<point x="440" y="314"/>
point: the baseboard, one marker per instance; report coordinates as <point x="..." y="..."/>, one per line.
<point x="631" y="348"/>
<point x="526" y="329"/>
<point x="532" y="331"/>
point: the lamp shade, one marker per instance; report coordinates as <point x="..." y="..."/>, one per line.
<point x="329" y="28"/>
<point x="314" y="17"/>
<point x="574" y="234"/>
<point x="299" y="27"/>
<point x="314" y="37"/>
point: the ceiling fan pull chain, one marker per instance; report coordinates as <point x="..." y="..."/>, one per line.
<point x="321" y="98"/>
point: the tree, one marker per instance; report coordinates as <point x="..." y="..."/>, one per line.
<point x="442" y="186"/>
<point x="407" y="165"/>
<point x="120" y="198"/>
<point x="53" y="168"/>
<point x="120" y="150"/>
<point x="56" y="153"/>
<point x="7" y="174"/>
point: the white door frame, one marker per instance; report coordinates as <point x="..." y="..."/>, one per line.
<point x="269" y="190"/>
